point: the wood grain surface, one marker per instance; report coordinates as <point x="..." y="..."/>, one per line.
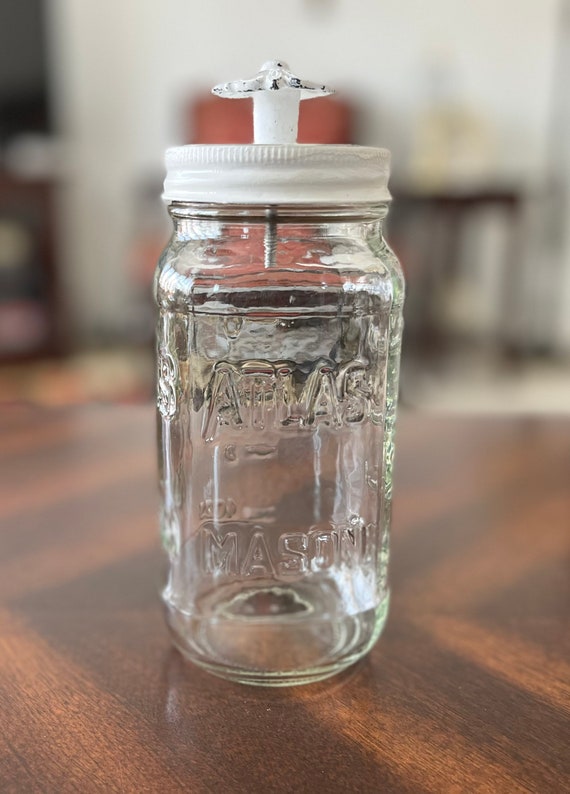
<point x="467" y="690"/>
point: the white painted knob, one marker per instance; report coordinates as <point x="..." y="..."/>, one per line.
<point x="276" y="94"/>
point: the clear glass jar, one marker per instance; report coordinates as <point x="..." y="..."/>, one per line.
<point x="278" y="353"/>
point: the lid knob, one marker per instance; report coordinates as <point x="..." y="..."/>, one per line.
<point x="276" y="93"/>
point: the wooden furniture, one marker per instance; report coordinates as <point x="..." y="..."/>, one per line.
<point x="429" y="231"/>
<point x="467" y="691"/>
<point x="31" y="308"/>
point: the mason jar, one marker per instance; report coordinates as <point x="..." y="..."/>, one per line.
<point x="280" y="319"/>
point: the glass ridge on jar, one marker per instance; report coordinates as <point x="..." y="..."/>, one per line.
<point x="278" y="352"/>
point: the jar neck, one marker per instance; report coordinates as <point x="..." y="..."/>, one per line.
<point x="213" y="220"/>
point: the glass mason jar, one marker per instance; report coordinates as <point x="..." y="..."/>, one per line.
<point x="278" y="353"/>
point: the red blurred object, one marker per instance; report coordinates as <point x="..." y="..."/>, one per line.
<point x="210" y="119"/>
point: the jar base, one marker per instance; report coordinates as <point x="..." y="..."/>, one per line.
<point x="272" y="635"/>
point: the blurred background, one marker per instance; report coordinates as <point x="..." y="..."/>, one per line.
<point x="471" y="98"/>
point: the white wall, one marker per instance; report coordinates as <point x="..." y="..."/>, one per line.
<point x="124" y="66"/>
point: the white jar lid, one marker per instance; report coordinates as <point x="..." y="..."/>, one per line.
<point x="277" y="174"/>
<point x="275" y="169"/>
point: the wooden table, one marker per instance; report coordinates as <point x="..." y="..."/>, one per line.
<point x="467" y="691"/>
